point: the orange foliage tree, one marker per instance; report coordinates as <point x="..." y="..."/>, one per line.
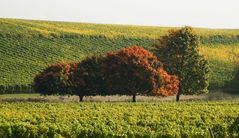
<point x="135" y="70"/>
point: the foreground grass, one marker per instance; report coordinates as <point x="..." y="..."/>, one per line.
<point x="161" y="119"/>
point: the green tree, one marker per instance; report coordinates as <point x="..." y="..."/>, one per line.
<point x="87" y="79"/>
<point x="178" y="50"/>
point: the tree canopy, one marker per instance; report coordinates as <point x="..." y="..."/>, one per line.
<point x="178" y="50"/>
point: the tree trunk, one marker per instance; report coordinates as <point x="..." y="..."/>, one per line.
<point x="177" y="97"/>
<point x="179" y="93"/>
<point x="81" y="98"/>
<point x="134" y="98"/>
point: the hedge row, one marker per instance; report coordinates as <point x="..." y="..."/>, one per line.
<point x="16" y="89"/>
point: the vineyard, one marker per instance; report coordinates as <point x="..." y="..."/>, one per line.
<point x="27" y="47"/>
<point x="167" y="119"/>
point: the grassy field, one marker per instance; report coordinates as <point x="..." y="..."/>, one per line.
<point x="26" y="47"/>
<point x="161" y="119"/>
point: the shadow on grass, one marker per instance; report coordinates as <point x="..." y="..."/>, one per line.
<point x="232" y="87"/>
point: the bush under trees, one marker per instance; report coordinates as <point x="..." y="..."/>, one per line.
<point x="129" y="71"/>
<point x="178" y="50"/>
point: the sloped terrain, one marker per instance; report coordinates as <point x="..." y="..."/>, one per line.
<point x="26" y="47"/>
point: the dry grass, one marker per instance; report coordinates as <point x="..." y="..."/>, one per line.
<point x="213" y="96"/>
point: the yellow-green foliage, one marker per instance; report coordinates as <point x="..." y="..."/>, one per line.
<point x="220" y="52"/>
<point x="193" y="119"/>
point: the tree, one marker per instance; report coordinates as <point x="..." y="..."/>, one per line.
<point x="54" y="80"/>
<point x="87" y="78"/>
<point x="134" y="70"/>
<point x="178" y="50"/>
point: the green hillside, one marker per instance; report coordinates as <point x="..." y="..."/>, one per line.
<point x="26" y="47"/>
